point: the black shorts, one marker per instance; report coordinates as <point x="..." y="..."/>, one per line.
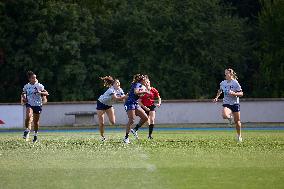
<point x="152" y="108"/>
<point x="233" y="108"/>
<point x="36" y="109"/>
<point x="101" y="106"/>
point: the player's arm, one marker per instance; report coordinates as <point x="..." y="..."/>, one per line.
<point x="159" y="101"/>
<point x="43" y="92"/>
<point x="238" y="89"/>
<point x="24" y="97"/>
<point x="219" y="92"/>
<point x="139" y="92"/>
<point x="237" y="94"/>
<point x="142" y="105"/>
<point x="118" y="98"/>
<point x="157" y="95"/>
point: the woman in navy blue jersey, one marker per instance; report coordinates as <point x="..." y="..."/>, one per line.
<point x="132" y="107"/>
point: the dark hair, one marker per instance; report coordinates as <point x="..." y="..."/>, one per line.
<point x="139" y="78"/>
<point x="108" y="81"/>
<point x="30" y="74"/>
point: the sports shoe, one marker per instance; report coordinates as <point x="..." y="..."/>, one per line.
<point x="103" y="139"/>
<point x="126" y="141"/>
<point x="150" y="137"/>
<point x="35" y="139"/>
<point x="239" y="139"/>
<point x="231" y="119"/>
<point x="26" y="135"/>
<point x="134" y="133"/>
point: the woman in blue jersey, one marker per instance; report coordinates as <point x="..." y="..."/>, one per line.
<point x="32" y="98"/>
<point x="132" y="107"/>
<point x="232" y="91"/>
<point x="104" y="104"/>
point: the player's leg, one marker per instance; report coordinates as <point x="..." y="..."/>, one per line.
<point x="227" y="113"/>
<point x="28" y="122"/>
<point x="100" y="114"/>
<point x="237" y="120"/>
<point x="36" y="117"/>
<point x="111" y="115"/>
<point x="143" y="119"/>
<point x="152" y="116"/>
<point x="131" y="118"/>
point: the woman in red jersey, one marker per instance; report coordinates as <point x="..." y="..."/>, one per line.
<point x="147" y="102"/>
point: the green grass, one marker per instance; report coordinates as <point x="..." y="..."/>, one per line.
<point x="174" y="159"/>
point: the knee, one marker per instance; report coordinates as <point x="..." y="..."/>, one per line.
<point x="238" y="123"/>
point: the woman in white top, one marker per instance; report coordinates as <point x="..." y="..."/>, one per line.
<point x="32" y="97"/>
<point x="232" y="91"/>
<point x="104" y="104"/>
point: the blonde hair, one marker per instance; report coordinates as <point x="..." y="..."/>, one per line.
<point x="234" y="74"/>
<point x="108" y="81"/>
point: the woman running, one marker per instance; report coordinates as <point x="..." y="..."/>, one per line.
<point x="104" y="104"/>
<point x="32" y="97"/>
<point x="147" y="103"/>
<point x="232" y="91"/>
<point x="132" y="107"/>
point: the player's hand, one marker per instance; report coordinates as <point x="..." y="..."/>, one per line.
<point x="232" y="93"/>
<point x="215" y="100"/>
<point x="158" y="105"/>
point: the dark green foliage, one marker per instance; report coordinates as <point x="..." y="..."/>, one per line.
<point x="270" y="78"/>
<point x="184" y="46"/>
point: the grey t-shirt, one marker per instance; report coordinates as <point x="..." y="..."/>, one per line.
<point x="232" y="85"/>
<point x="33" y="97"/>
<point x="106" y="98"/>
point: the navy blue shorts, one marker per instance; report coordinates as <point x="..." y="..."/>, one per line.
<point x="152" y="108"/>
<point x="233" y="108"/>
<point x="101" y="106"/>
<point x="131" y="106"/>
<point x="36" y="109"/>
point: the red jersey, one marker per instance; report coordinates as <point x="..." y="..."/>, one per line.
<point x="149" y="99"/>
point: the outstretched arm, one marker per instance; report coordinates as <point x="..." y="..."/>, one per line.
<point x="159" y="102"/>
<point x="219" y="92"/>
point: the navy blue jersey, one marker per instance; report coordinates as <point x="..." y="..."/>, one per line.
<point x="132" y="97"/>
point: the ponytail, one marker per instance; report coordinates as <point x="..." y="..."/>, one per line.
<point x="108" y="81"/>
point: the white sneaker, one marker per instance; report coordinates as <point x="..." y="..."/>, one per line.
<point x="134" y="133"/>
<point x="240" y="139"/>
<point x="26" y="135"/>
<point x="231" y="119"/>
<point x="126" y="141"/>
<point x="103" y="139"/>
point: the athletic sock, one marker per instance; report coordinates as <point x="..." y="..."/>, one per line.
<point x="137" y="127"/>
<point x="151" y="127"/>
<point x="126" y="135"/>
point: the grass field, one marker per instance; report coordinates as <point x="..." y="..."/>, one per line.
<point x="174" y="159"/>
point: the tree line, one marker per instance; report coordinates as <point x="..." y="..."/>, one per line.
<point x="183" y="45"/>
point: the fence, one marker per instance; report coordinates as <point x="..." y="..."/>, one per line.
<point x="171" y="112"/>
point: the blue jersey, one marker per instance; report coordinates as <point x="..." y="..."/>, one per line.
<point x="132" y="97"/>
